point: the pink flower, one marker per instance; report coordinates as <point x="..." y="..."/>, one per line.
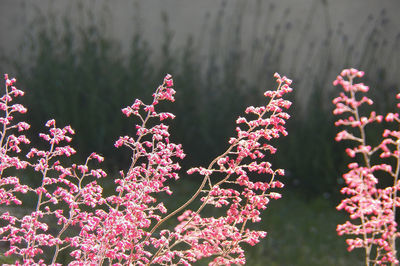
<point x="370" y="205"/>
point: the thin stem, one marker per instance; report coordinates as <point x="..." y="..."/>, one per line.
<point x="367" y="163"/>
<point x="40" y="196"/>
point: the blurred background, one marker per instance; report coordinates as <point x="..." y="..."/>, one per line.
<point x="80" y="62"/>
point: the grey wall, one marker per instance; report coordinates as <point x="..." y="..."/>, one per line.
<point x="188" y="16"/>
<point x="308" y="21"/>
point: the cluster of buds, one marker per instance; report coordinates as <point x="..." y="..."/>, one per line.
<point x="31" y="234"/>
<point x="120" y="234"/>
<point x="230" y="184"/>
<point x="370" y="204"/>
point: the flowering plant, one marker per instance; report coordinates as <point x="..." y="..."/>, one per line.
<point x="371" y="200"/>
<point x="72" y="216"/>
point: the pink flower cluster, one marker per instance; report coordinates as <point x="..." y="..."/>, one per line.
<point x="370" y="201"/>
<point x="72" y="216"/>
<point x="62" y="187"/>
<point x="227" y="185"/>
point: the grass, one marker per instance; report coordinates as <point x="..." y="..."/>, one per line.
<point x="302" y="232"/>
